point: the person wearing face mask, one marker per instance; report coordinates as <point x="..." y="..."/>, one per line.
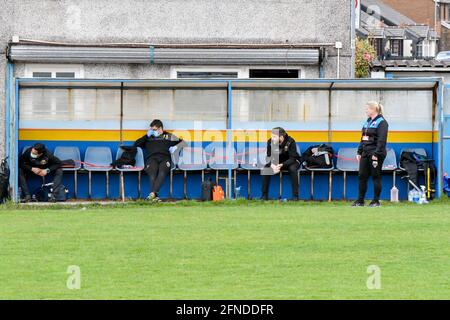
<point x="372" y="152"/>
<point x="159" y="145"/>
<point x="282" y="154"/>
<point x="37" y="160"/>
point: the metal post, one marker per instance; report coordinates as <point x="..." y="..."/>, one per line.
<point x="312" y="185"/>
<point x="122" y="186"/>
<point x="229" y="137"/>
<point x="139" y="184"/>
<point x="344" y="194"/>
<point x="107" y="184"/>
<point x="330" y="183"/>
<point x="90" y="184"/>
<point x="298" y="177"/>
<point x="235" y="182"/>
<point x="248" y="185"/>
<point x="171" y="184"/>
<point x="184" y="184"/>
<point x="281" y="186"/>
<point x="75" y="183"/>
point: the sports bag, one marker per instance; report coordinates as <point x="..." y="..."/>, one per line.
<point x="318" y="156"/>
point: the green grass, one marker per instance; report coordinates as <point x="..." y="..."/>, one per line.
<point x="240" y="250"/>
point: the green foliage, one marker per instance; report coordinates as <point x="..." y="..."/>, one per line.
<point x="365" y="53"/>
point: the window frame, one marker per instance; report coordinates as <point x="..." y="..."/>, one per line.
<point x="77" y="69"/>
<point x="242" y="71"/>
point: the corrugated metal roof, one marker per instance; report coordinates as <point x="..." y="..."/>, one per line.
<point x="149" y="55"/>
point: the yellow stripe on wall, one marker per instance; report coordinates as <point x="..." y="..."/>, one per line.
<point x="68" y="135"/>
<point x="219" y="135"/>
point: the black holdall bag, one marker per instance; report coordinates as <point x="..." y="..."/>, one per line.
<point x="45" y="193"/>
<point x="128" y="157"/>
<point x="318" y="156"/>
<point x="207" y="189"/>
<point x="4" y="181"/>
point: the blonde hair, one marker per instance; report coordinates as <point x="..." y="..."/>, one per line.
<point x="375" y="105"/>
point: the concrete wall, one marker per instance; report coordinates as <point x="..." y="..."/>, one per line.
<point x="175" y="21"/>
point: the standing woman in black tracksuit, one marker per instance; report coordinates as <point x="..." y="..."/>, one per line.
<point x="372" y="152"/>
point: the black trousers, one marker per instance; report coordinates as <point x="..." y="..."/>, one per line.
<point x="367" y="170"/>
<point x="57" y="179"/>
<point x="267" y="172"/>
<point x="157" y="170"/>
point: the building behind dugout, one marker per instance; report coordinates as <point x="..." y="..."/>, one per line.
<point x="134" y="36"/>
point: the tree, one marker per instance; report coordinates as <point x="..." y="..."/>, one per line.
<point x="365" y="54"/>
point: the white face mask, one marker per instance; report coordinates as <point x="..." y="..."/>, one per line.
<point x="34" y="156"/>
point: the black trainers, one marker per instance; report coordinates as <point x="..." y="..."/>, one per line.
<point x="294" y="198"/>
<point x="26" y="199"/>
<point x="358" y="203"/>
<point x="375" y="203"/>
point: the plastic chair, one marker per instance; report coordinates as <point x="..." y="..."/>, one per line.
<point x="347" y="162"/>
<point x="98" y="159"/>
<point x="138" y="167"/>
<point x="330" y="178"/>
<point x="72" y="153"/>
<point x="252" y="158"/>
<point x="192" y="159"/>
<point x="175" y="156"/>
<point x="390" y="164"/>
<point x="217" y="157"/>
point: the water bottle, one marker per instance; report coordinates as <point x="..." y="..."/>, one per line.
<point x="238" y="192"/>
<point x="410" y="195"/>
<point x="423" y="196"/>
<point x="416" y="196"/>
<point x="394" y="194"/>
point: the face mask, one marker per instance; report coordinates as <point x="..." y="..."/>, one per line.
<point x="34" y="156"/>
<point x="156" y="134"/>
<point x="152" y="133"/>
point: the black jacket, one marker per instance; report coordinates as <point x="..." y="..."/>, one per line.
<point x="286" y="153"/>
<point x="158" y="147"/>
<point x="46" y="161"/>
<point x="377" y="131"/>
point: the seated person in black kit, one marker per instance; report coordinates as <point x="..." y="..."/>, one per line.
<point x="283" y="155"/>
<point x="39" y="161"/>
<point x="158" y="145"/>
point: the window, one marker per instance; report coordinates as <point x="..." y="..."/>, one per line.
<point x="419" y="53"/>
<point x="203" y="72"/>
<point x="42" y="74"/>
<point x="274" y="73"/>
<point x="377" y="44"/>
<point x="65" y="74"/>
<point x="235" y="72"/>
<point x="178" y="107"/>
<point x="206" y="75"/>
<point x="397" y="48"/>
<point x="54" y="71"/>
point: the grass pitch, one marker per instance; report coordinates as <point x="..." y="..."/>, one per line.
<point x="238" y="250"/>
